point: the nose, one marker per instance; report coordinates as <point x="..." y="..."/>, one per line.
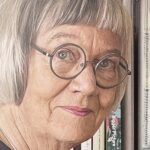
<point x="85" y="82"/>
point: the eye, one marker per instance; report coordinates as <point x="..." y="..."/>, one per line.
<point x="62" y="54"/>
<point x="65" y="54"/>
<point x="107" y="64"/>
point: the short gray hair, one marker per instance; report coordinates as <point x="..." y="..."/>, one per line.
<point x="20" y="21"/>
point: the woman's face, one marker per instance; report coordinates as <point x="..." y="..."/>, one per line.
<point x="68" y="110"/>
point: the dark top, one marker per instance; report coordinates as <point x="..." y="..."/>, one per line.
<point x="3" y="146"/>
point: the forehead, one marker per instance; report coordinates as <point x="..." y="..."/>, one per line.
<point x="89" y="38"/>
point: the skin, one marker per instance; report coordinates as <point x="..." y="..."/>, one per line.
<point x="40" y="122"/>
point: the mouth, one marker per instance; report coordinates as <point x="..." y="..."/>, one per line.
<point x="78" y="111"/>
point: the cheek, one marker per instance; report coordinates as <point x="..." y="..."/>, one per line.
<point x="106" y="101"/>
<point x="107" y="98"/>
<point x="48" y="87"/>
<point x="72" y="128"/>
<point x="41" y="80"/>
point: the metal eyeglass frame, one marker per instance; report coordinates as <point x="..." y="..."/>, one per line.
<point x="93" y="62"/>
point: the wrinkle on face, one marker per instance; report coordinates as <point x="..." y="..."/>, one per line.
<point x="81" y="91"/>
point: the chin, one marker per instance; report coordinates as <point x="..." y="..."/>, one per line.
<point x="73" y="136"/>
<point x="67" y="127"/>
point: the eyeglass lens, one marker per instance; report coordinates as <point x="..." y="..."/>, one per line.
<point x="66" y="62"/>
<point x="111" y="71"/>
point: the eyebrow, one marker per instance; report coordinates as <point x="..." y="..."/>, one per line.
<point x="114" y="51"/>
<point x="62" y="35"/>
<point x="108" y="51"/>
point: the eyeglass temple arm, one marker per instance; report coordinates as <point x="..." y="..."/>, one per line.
<point x="128" y="72"/>
<point x="40" y="50"/>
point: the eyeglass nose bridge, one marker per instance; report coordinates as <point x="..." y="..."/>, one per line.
<point x="93" y="63"/>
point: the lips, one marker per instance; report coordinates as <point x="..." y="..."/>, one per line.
<point x="78" y="111"/>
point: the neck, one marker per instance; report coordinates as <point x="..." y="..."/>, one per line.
<point x="20" y="135"/>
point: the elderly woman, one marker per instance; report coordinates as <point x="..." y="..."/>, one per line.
<point x="63" y="69"/>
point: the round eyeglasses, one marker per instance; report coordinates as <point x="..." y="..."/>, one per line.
<point x="68" y="60"/>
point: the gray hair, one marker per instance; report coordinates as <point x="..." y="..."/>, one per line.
<point x="20" y="21"/>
